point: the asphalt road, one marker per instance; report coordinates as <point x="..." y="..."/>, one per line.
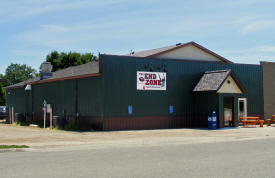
<point x="245" y="158"/>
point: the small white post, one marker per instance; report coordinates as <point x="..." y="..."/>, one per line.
<point x="44" y="117"/>
<point x="45" y="112"/>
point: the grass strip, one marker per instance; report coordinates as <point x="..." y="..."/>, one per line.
<point x="12" y="146"/>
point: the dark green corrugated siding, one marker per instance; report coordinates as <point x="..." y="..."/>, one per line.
<point x="120" y="91"/>
<point x="90" y="96"/>
<point x="120" y="76"/>
<point x="251" y="78"/>
<point x="18" y="98"/>
<point x="60" y="94"/>
<point x="29" y="102"/>
<point x="204" y="104"/>
<point x="110" y="95"/>
<point x="69" y="97"/>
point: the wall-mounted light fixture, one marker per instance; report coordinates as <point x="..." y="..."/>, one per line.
<point x="164" y="67"/>
<point x="150" y="64"/>
<point x="28" y="87"/>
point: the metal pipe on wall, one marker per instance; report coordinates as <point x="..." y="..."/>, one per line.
<point x="51" y="118"/>
<point x="45" y="113"/>
<point x="12" y="115"/>
<point x="44" y="117"/>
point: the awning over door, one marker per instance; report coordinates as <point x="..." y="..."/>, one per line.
<point x="221" y="81"/>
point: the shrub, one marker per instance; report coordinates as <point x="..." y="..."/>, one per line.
<point x="75" y="126"/>
<point x="25" y="123"/>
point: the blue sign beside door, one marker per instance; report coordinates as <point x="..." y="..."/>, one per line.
<point x="171" y="109"/>
<point x="130" y="110"/>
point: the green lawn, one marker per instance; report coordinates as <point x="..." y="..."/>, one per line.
<point x="12" y="146"/>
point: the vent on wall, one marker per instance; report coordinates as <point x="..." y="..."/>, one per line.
<point x="46" y="69"/>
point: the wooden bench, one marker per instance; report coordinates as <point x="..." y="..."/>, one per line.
<point x="251" y="121"/>
<point x="270" y="120"/>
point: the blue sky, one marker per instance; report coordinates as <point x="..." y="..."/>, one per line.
<point x="241" y="31"/>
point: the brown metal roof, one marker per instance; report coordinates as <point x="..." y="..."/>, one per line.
<point x="151" y="52"/>
<point x="86" y="70"/>
<point x="213" y="80"/>
<point x="160" y="51"/>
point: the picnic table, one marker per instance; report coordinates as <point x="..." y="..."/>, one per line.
<point x="270" y="120"/>
<point x="251" y="121"/>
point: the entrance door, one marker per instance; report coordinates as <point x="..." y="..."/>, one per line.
<point x="242" y="107"/>
<point x="228" y="111"/>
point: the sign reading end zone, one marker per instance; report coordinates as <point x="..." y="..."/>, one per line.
<point x="151" y="80"/>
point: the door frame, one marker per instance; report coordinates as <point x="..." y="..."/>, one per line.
<point x="245" y="106"/>
<point x="233" y="106"/>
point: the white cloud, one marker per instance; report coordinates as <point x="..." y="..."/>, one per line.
<point x="19" y="9"/>
<point x="251" y="58"/>
<point x="253" y="21"/>
<point x="250" y="55"/>
<point x="263" y="49"/>
<point x="257" y="49"/>
<point x="28" y="53"/>
<point x="32" y="58"/>
<point x="257" y="26"/>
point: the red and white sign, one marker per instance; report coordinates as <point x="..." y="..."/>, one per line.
<point x="151" y="80"/>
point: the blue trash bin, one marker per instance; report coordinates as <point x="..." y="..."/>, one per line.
<point x="212" y="121"/>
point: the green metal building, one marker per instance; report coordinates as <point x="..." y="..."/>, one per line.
<point x="172" y="87"/>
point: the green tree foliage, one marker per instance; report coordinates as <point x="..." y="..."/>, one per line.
<point x="63" y="60"/>
<point x="2" y="96"/>
<point x="16" y="73"/>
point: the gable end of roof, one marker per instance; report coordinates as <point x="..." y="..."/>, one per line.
<point x="159" y="51"/>
<point x="212" y="81"/>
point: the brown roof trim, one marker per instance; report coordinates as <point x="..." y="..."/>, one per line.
<point x="198" y="46"/>
<point x="54" y="80"/>
<point x="184" y="60"/>
<point x="237" y="82"/>
<point x="172" y="49"/>
<point x="168" y="59"/>
<point x="206" y="91"/>
<point x="212" y="53"/>
<point x="10" y="88"/>
<point x="230" y="73"/>
<point x="224" y="80"/>
<point x="100" y="63"/>
<point x="65" y="78"/>
<point x="37" y="80"/>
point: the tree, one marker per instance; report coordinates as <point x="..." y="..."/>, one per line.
<point x="2" y="96"/>
<point x="16" y="73"/>
<point x="54" y="59"/>
<point x="65" y="60"/>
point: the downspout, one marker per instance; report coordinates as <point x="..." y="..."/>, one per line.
<point x="103" y="92"/>
<point x="76" y="100"/>
<point x="103" y="101"/>
<point x="32" y="102"/>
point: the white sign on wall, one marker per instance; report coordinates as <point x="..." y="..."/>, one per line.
<point x="151" y="80"/>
